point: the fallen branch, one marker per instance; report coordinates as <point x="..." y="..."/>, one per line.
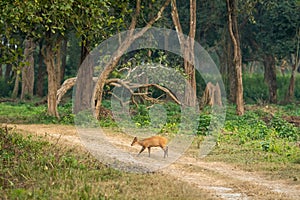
<point x="69" y="83"/>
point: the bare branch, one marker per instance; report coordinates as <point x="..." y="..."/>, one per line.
<point x="167" y="91"/>
<point x="152" y="21"/>
<point x="68" y="84"/>
<point x="230" y="28"/>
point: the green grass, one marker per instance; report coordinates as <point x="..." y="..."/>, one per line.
<point x="18" y="112"/>
<point x="33" y="168"/>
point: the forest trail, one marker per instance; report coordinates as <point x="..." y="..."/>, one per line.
<point x="221" y="179"/>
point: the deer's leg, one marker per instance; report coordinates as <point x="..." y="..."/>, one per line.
<point x="165" y="151"/>
<point x="143" y="148"/>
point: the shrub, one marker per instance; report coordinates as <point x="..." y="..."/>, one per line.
<point x="284" y="129"/>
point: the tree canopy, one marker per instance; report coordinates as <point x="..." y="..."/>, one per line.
<point x="268" y="31"/>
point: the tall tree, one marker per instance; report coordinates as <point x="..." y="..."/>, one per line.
<point x="295" y="63"/>
<point x="187" y="49"/>
<point x="51" y="21"/>
<point x="28" y="70"/>
<point x="92" y="30"/>
<point x="271" y="33"/>
<point x="51" y="55"/>
<point x="237" y="55"/>
<point x="270" y="76"/>
<point x="41" y="72"/>
<point x="124" y="45"/>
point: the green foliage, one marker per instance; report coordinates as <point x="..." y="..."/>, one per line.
<point x="141" y="118"/>
<point x="204" y="123"/>
<point x="56" y="17"/>
<point x="170" y="128"/>
<point x="86" y="119"/>
<point x="173" y="112"/>
<point x="172" y="119"/>
<point x="257" y="132"/>
<point x="5" y="87"/>
<point x="292" y="109"/>
<point x="49" y="22"/>
<point x="21" y="112"/>
<point x="248" y="127"/>
<point x="283" y="85"/>
<point x="276" y="17"/>
<point x="108" y="122"/>
<point x="285" y="129"/>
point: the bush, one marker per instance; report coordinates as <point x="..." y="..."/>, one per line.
<point x="284" y="129"/>
<point x="203" y="124"/>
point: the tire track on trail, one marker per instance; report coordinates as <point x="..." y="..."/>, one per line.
<point x="221" y="179"/>
<point x="231" y="183"/>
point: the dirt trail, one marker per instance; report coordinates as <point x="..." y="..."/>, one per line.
<point x="221" y="179"/>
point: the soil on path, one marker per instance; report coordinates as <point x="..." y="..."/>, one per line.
<point x="223" y="180"/>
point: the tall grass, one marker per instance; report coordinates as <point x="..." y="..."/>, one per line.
<point x="256" y="90"/>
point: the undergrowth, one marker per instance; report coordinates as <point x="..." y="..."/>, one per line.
<point x="259" y="131"/>
<point x="21" y="112"/>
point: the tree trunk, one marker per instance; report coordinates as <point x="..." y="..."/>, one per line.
<point x="41" y="74"/>
<point x="8" y="73"/>
<point x="291" y="91"/>
<point x="211" y="95"/>
<point x="237" y="55"/>
<point x="57" y="63"/>
<point x="190" y="95"/>
<point x="187" y="49"/>
<point x="53" y="77"/>
<point x="98" y="94"/>
<point x="270" y="77"/>
<point x="63" y="58"/>
<point x="28" y="70"/>
<point x="16" y="86"/>
<point x="84" y="82"/>
<point x="231" y="73"/>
